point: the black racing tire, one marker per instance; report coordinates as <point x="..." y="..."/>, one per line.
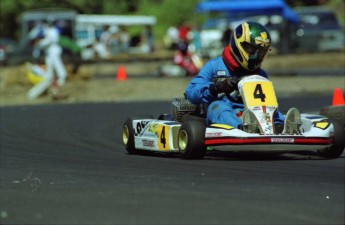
<point x="128" y="134"/>
<point x="334" y="113"/>
<point x="191" y="139"/>
<point x="338" y="141"/>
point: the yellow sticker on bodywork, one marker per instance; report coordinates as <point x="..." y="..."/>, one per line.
<point x="322" y="125"/>
<point x="163" y="137"/>
<point x="223" y="126"/>
<point x="259" y="94"/>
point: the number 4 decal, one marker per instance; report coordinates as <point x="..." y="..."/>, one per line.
<point x="258" y="93"/>
<point x="162" y="137"/>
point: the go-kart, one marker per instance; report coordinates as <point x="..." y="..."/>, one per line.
<point x="184" y="130"/>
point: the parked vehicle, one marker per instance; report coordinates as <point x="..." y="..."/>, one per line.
<point x="79" y="32"/>
<point x="89" y="28"/>
<point x="319" y="30"/>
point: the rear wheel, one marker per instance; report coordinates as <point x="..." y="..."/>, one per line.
<point x="334" y="112"/>
<point x="338" y="141"/>
<point x="191" y="139"/>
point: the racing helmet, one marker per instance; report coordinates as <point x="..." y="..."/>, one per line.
<point x="249" y="44"/>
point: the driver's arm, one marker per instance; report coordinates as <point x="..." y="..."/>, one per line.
<point x="198" y="90"/>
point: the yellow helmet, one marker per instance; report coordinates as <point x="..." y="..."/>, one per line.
<point x="249" y="44"/>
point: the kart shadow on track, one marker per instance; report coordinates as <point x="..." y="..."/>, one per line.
<point x="242" y="156"/>
<point x="255" y="156"/>
<point x="171" y="155"/>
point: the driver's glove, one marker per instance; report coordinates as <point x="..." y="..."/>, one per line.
<point x="223" y="85"/>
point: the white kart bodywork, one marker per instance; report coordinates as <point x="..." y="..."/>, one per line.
<point x="316" y="133"/>
<point x="162" y="135"/>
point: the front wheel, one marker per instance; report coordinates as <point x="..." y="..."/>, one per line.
<point x="191" y="139"/>
<point x="128" y="134"/>
<point x="338" y="142"/>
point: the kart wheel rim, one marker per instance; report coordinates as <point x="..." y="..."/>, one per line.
<point x="125" y="135"/>
<point x="183" y="140"/>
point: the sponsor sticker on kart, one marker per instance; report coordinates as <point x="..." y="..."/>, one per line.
<point x="140" y="126"/>
<point x="282" y="140"/>
<point x="148" y="143"/>
<point x="213" y="134"/>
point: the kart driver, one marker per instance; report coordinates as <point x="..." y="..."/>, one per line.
<point x="243" y="56"/>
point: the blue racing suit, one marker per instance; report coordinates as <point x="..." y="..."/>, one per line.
<point x="220" y="109"/>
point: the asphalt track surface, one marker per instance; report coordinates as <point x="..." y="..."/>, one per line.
<point x="65" y="164"/>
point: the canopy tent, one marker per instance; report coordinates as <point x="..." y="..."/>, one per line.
<point x="237" y="8"/>
<point x="119" y="20"/>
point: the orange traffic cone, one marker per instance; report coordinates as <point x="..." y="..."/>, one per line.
<point x="121" y="73"/>
<point x="338" y="97"/>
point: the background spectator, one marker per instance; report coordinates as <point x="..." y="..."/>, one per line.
<point x="195" y="39"/>
<point x="172" y="38"/>
<point x="183" y="32"/>
<point x="53" y="62"/>
<point x="184" y="59"/>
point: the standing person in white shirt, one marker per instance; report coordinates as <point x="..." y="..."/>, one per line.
<point x="53" y="63"/>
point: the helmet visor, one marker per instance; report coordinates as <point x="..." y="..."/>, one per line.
<point x="253" y="50"/>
